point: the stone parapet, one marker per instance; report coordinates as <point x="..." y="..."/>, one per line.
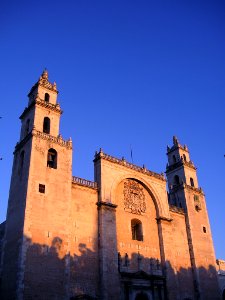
<point x="40" y="102"/>
<point x="57" y="140"/>
<point x="84" y="182"/>
<point x="123" y="162"/>
<point x="183" y="185"/>
<point x="180" y="163"/>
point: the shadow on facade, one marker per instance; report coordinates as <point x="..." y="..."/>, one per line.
<point x="50" y="274"/>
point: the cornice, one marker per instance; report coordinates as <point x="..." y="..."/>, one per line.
<point x="106" y="204"/>
<point x="100" y="155"/>
<point x="40" y="102"/>
<point x="160" y="219"/>
<point x="142" y="275"/>
<point x="175" y="147"/>
<point x="194" y="189"/>
<point x="57" y="140"/>
<point x="183" y="186"/>
<point x="176" y="209"/>
<point x="43" y="81"/>
<point x="180" y="163"/>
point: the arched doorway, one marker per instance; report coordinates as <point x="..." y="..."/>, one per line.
<point x="141" y="296"/>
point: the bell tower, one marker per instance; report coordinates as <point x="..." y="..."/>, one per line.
<point x="180" y="171"/>
<point x="184" y="192"/>
<point x="39" y="198"/>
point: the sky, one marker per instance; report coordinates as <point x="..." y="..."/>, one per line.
<point x="130" y="75"/>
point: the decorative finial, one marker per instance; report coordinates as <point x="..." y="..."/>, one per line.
<point x="54" y="85"/>
<point x="175" y="140"/>
<point x="45" y="74"/>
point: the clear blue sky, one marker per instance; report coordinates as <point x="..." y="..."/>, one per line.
<point x="129" y="73"/>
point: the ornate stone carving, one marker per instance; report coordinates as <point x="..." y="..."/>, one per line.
<point x="123" y="162"/>
<point x="43" y="80"/>
<point x="134" y="197"/>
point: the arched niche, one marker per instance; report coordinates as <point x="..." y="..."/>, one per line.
<point x="137" y="228"/>
<point x="160" y="202"/>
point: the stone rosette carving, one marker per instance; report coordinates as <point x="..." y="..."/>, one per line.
<point x="134" y="197"/>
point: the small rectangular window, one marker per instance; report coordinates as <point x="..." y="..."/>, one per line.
<point x="42" y="188"/>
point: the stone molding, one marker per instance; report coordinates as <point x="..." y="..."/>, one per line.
<point x="57" y="140"/>
<point x="125" y="268"/>
<point x="176" y="145"/>
<point x="160" y="219"/>
<point x="84" y="182"/>
<point x="123" y="162"/>
<point x="43" y="81"/>
<point x="40" y="102"/>
<point x="183" y="185"/>
<point x="180" y="163"/>
<point x="106" y="204"/>
<point x="176" y="209"/>
<point x="196" y="190"/>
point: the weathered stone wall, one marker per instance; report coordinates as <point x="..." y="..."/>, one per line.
<point x="84" y="242"/>
<point x="203" y="251"/>
<point x="12" y="246"/>
<point x="47" y="222"/>
<point x="221" y="276"/>
<point x="177" y="257"/>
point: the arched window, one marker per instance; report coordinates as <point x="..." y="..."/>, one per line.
<point x="174" y="159"/>
<point x="46" y="125"/>
<point x="47" y="97"/>
<point x="184" y="157"/>
<point x="136" y="227"/>
<point x="27" y="126"/>
<point x="52" y="159"/>
<point x="192" y="182"/>
<point x="176" y="180"/>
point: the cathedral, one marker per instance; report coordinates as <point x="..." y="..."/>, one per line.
<point x="131" y="234"/>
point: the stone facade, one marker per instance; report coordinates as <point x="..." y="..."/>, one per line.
<point x="221" y="275"/>
<point x="122" y="236"/>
